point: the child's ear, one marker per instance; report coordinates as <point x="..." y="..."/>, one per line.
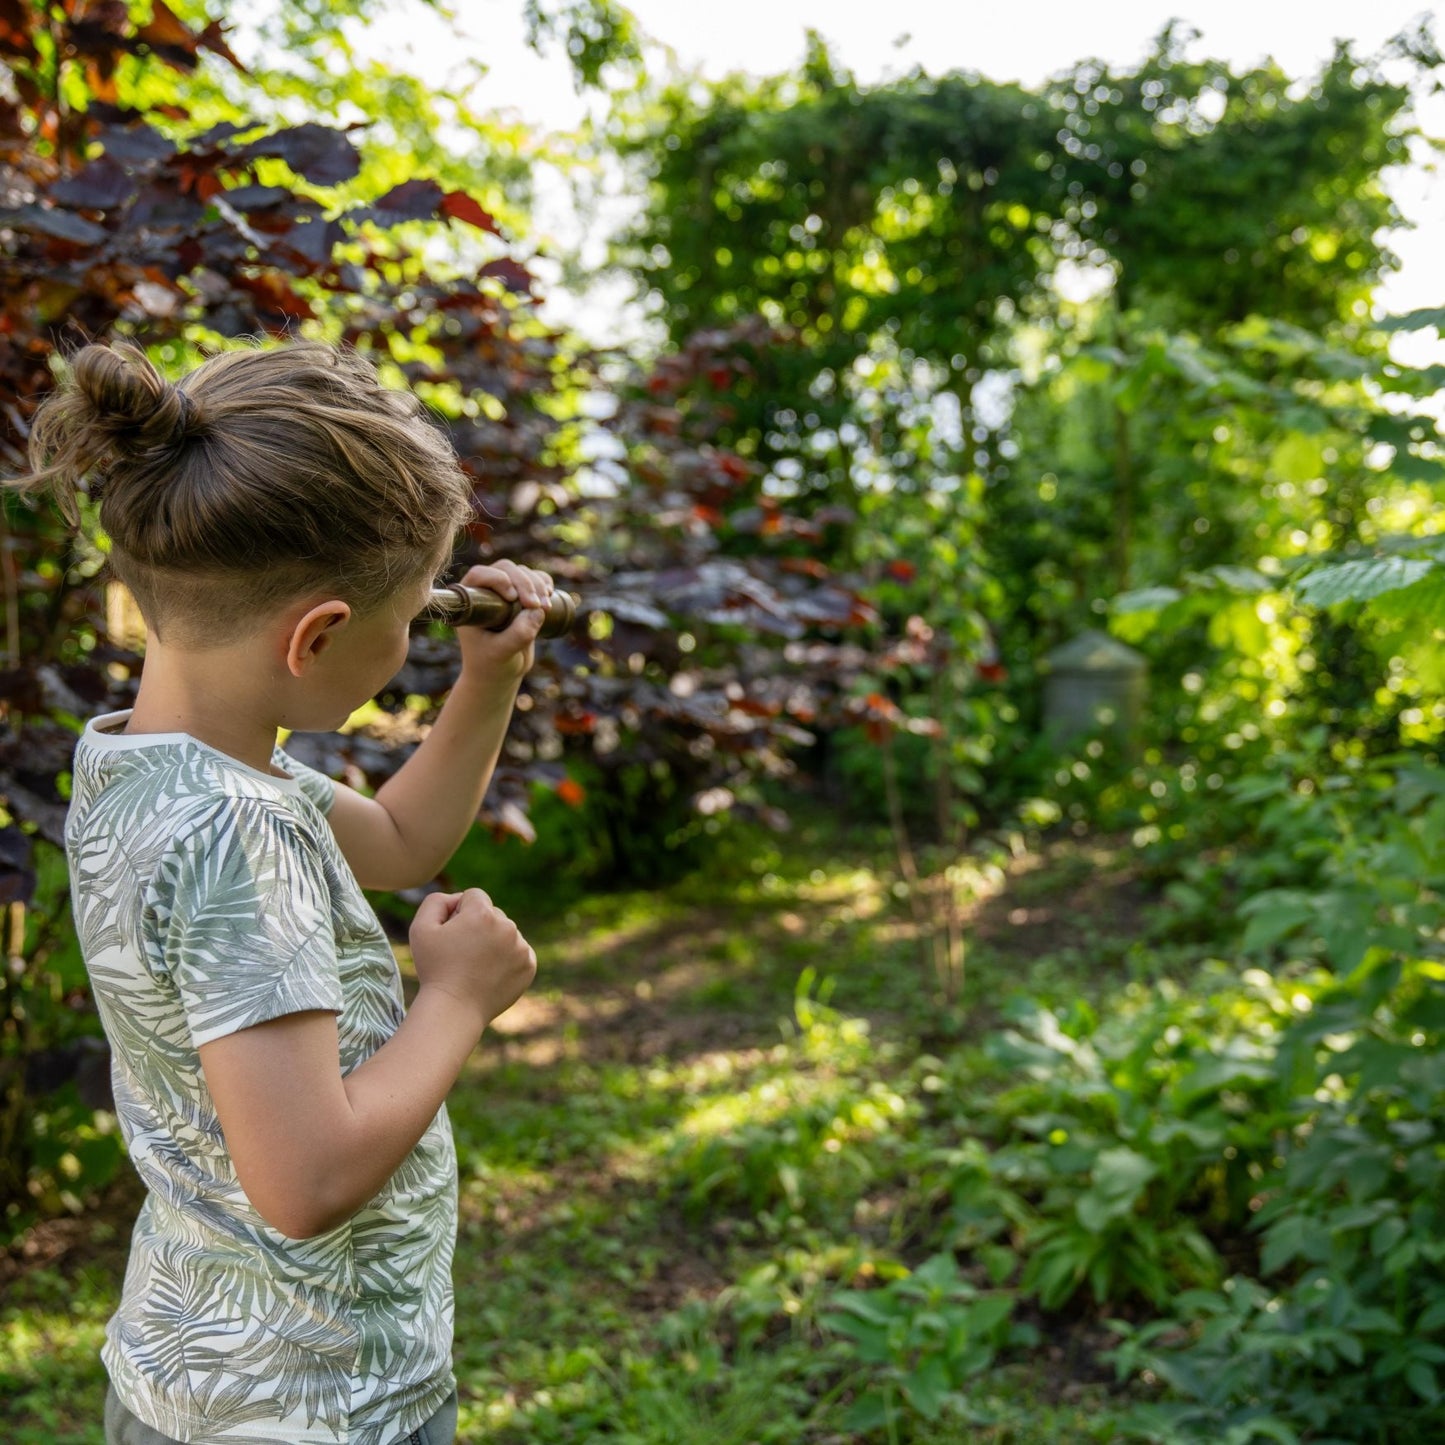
<point x="311" y="634"/>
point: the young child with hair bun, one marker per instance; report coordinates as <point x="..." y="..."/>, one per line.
<point x="279" y="517"/>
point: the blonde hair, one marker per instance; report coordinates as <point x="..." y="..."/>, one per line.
<point x="263" y="476"/>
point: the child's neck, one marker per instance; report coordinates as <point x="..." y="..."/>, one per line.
<point x="211" y="701"/>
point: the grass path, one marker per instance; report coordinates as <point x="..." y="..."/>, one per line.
<point x="604" y="1213"/>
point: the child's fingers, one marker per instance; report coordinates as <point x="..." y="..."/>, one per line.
<point x="510" y="580"/>
<point x="436" y="908"/>
<point x="528" y="622"/>
<point x="474" y="899"/>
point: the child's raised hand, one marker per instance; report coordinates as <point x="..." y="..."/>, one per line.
<point x="463" y="945"/>
<point x="508" y="654"/>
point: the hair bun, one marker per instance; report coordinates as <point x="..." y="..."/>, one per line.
<point x="115" y="414"/>
<point x="128" y="395"/>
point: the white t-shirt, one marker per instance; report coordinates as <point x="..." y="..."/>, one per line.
<point x="210" y="896"/>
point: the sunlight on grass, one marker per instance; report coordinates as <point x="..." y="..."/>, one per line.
<point x="680" y="1117"/>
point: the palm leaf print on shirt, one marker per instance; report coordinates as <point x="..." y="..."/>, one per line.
<point x="212" y="897"/>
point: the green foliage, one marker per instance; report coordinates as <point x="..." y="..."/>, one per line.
<point x="1107" y="1170"/>
<point x="925" y="1335"/>
<point x="1214" y="414"/>
<point x="781" y="1154"/>
<point x="595" y="34"/>
<point x="1288" y="1117"/>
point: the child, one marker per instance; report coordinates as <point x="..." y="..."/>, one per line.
<point x="279" y="517"/>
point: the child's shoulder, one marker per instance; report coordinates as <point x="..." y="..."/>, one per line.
<point x="170" y="789"/>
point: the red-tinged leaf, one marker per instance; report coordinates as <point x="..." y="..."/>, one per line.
<point x="877" y="732"/>
<point x="805" y="566"/>
<point x="902" y="571"/>
<point x="99" y="79"/>
<point x="313" y="242"/>
<point x="213" y="38"/>
<point x="575" y="724"/>
<point x="63" y="225"/>
<point x="221" y="132"/>
<point x="16" y="28"/>
<point x="710" y="515"/>
<point x="96" y="187"/>
<point x="733" y="466"/>
<point x="756" y="707"/>
<point x="877" y="702"/>
<point x="257" y="198"/>
<point x="324" y="156"/>
<point x="659" y="385"/>
<point x="514" y="277"/>
<point x="417" y="200"/>
<point x="172" y="39"/>
<point x="189" y="178"/>
<point x="167" y="28"/>
<point x="992" y="671"/>
<point x="771" y="525"/>
<point x="462" y="207"/>
<point x="276" y="302"/>
<point x="720" y="376"/>
<point x="571" y="792"/>
<point x="663" y="420"/>
<point x="135" y="145"/>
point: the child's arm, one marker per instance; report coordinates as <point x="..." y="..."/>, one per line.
<point x="404" y="836"/>
<point x="310" y="1146"/>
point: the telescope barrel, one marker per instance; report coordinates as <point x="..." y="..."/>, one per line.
<point x="460" y="606"/>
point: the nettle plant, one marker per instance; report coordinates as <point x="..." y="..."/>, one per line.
<point x="1339" y="1335"/>
<point x="1258" y="1158"/>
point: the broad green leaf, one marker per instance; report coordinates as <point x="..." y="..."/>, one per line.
<point x="928" y="1387"/>
<point x="869" y="1412"/>
<point x="1416" y="320"/>
<point x="1274" y="915"/>
<point x="1359" y="581"/>
<point x="987" y="1315"/>
<point x="1421" y="1379"/>
<point x="1212" y="1075"/>
<point x="939" y="1271"/>
<point x="1237" y="579"/>
<point x="1145" y="599"/>
<point x="1422" y="600"/>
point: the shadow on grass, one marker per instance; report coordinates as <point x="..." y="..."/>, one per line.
<point x="649" y="1010"/>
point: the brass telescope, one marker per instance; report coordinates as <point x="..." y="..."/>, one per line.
<point x="460" y="606"/>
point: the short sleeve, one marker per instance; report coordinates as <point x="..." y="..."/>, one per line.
<point x="317" y="786"/>
<point x="243" y="918"/>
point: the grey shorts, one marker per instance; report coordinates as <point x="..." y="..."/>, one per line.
<point x="122" y="1428"/>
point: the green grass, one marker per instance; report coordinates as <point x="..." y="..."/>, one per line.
<point x="666" y="1164"/>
